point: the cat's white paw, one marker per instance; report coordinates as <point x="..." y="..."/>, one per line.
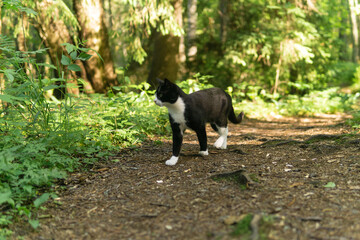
<point x="204" y="153"/>
<point x="172" y="161"/>
<point x="221" y="143"/>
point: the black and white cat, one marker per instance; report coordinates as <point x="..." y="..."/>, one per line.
<point x="193" y="111"/>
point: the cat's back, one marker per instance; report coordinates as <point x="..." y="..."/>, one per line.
<point x="210" y="94"/>
<point x="209" y="103"/>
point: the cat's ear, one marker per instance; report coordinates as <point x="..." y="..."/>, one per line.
<point x="167" y="81"/>
<point x="160" y="82"/>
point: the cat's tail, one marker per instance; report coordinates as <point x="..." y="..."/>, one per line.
<point x="233" y="118"/>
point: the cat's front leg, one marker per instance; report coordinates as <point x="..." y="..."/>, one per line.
<point x="172" y="161"/>
<point x="177" y="142"/>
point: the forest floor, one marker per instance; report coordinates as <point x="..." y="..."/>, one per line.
<point x="293" y="178"/>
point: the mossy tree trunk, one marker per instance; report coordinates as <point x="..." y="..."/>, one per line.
<point x="354" y="29"/>
<point x="191" y="50"/>
<point x="53" y="31"/>
<point x="91" y="17"/>
<point x="166" y="57"/>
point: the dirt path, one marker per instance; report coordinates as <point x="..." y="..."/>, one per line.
<point x="135" y="196"/>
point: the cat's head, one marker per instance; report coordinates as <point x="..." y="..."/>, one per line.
<point x="166" y="93"/>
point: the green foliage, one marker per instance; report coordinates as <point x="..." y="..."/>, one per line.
<point x="355" y="121"/>
<point x="135" y="21"/>
<point x="259" y="104"/>
<point x="17" y="6"/>
<point x="298" y="43"/>
<point x="243" y="228"/>
<point x="198" y="82"/>
<point x="75" y="53"/>
<point x="355" y="87"/>
<point x="41" y="140"/>
<point x="123" y="119"/>
<point x="327" y="101"/>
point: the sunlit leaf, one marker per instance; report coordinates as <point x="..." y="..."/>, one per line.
<point x="34" y="223"/>
<point x="50" y="87"/>
<point x="47" y="65"/>
<point x="330" y="185"/>
<point x="69" y="47"/>
<point x="84" y="56"/>
<point x="5" y="196"/>
<point x="65" y="60"/>
<point x="6" y="98"/>
<point x="73" y="55"/>
<point x="74" y="67"/>
<point x="41" y="200"/>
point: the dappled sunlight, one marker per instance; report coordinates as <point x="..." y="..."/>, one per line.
<point x="83" y="146"/>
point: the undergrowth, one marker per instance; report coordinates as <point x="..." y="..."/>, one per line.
<point x="256" y="102"/>
<point x="43" y="139"/>
<point x="327" y="101"/>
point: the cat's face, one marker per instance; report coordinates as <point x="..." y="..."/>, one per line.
<point x="166" y="93"/>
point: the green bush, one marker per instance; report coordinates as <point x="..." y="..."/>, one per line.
<point x="262" y="105"/>
<point x="43" y="139"/>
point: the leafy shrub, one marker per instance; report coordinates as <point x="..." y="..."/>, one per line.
<point x="43" y="139"/>
<point x="340" y="74"/>
<point x="329" y="100"/>
<point x="198" y="82"/>
<point x="124" y="118"/>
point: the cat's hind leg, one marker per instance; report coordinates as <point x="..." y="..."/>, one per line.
<point x="221" y="142"/>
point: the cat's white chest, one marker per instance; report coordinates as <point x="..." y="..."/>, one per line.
<point x="177" y="111"/>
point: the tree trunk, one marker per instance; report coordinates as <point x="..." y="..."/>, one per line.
<point x="90" y="15"/>
<point x="223" y="20"/>
<point x="2" y="79"/>
<point x="354" y="30"/>
<point x="293" y="76"/>
<point x="54" y="32"/>
<point x="21" y="42"/>
<point x="343" y="36"/>
<point x="278" y="69"/>
<point x="191" y="33"/>
<point x="166" y="59"/>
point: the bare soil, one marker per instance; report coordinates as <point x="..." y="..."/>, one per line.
<point x="302" y="181"/>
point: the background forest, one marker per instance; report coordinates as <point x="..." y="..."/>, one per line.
<point x="77" y="76"/>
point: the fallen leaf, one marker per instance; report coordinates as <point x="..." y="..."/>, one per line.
<point x="296" y="184"/>
<point x="308" y="194"/>
<point x="292" y="202"/>
<point x="198" y="200"/>
<point x="328" y="210"/>
<point x="102" y="169"/>
<point x="230" y="220"/>
<point x="330" y="185"/>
